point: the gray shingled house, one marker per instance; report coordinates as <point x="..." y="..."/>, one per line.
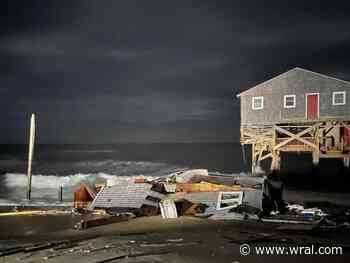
<point x="297" y="111"/>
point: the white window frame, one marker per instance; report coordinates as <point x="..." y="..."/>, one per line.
<point x="337" y="93"/>
<point x="236" y="201"/>
<point x="285" y="101"/>
<point x="262" y="103"/>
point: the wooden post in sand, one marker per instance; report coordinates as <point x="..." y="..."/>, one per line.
<point x="30" y="155"/>
<point x="60" y="193"/>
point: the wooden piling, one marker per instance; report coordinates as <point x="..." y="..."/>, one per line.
<point x="253" y="159"/>
<point x="346" y="162"/>
<point x="60" y="193"/>
<point x="30" y="155"/>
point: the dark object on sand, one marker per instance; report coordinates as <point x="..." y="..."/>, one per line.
<point x="273" y="199"/>
<point x="146" y="210"/>
<point x="185" y="207"/>
<point x="88" y="223"/>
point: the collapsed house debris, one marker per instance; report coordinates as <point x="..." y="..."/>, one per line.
<point x="191" y="192"/>
<point x="168" y="209"/>
<point x="196" y="193"/>
<point x="84" y="195"/>
<point x="139" y="198"/>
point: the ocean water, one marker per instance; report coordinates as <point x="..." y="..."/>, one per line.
<point x="69" y="165"/>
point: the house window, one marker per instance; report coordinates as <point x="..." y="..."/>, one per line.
<point x="258" y="103"/>
<point x="289" y="101"/>
<point x="339" y="98"/>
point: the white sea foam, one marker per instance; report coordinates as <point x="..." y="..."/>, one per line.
<point x="91" y="151"/>
<point x="12" y="180"/>
<point x="45" y="187"/>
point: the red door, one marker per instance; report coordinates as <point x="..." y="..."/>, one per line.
<point x="346" y="136"/>
<point x="312" y="106"/>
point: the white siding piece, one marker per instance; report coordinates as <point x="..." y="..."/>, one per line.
<point x="168" y="209"/>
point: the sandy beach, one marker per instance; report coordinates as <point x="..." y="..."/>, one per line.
<point x="187" y="239"/>
<point x="153" y="239"/>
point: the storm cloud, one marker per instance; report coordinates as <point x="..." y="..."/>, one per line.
<point x="148" y="71"/>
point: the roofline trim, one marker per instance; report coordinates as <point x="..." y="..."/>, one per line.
<point x="264" y="82"/>
<point x="306" y="70"/>
<point x="323" y="75"/>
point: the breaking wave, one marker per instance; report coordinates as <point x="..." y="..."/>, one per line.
<point x="51" y="181"/>
<point x="49" y="176"/>
<point x="90" y="151"/>
<point x="45" y="187"/>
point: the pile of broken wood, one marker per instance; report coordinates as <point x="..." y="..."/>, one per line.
<point x="190" y="192"/>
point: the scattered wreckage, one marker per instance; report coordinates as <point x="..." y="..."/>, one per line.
<point x="197" y="193"/>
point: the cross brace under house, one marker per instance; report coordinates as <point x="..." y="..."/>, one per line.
<point x="323" y="139"/>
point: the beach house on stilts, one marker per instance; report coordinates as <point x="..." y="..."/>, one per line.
<point x="297" y="111"/>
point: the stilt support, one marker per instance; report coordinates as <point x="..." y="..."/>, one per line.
<point x="315" y="158"/>
<point x="346" y="162"/>
<point x="254" y="159"/>
<point x="322" y="139"/>
<point x="276" y="161"/>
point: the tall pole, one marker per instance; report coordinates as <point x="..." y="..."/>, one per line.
<point x="30" y="155"/>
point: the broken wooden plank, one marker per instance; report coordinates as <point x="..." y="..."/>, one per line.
<point x="11" y="251"/>
<point x="205" y="187"/>
<point x="133" y="256"/>
<point x="42" y="246"/>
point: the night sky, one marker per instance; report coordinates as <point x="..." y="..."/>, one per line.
<point x="154" y="71"/>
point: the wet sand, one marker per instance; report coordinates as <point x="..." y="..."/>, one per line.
<point x="152" y="239"/>
<point x="186" y="239"/>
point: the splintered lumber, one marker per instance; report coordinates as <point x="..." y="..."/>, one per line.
<point x="31" y="248"/>
<point x="34" y="212"/>
<point x="11" y="251"/>
<point x="42" y="246"/>
<point x="205" y="187"/>
<point x="21" y="213"/>
<point x="133" y="256"/>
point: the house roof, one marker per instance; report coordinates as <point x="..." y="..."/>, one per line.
<point x="126" y="196"/>
<point x="288" y="73"/>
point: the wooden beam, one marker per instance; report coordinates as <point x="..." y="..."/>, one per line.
<point x="295" y="136"/>
<point x="276" y="160"/>
<point x="30" y="156"/>
<point x="269" y="155"/>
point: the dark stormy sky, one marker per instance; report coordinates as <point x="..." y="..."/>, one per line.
<point x="148" y="71"/>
